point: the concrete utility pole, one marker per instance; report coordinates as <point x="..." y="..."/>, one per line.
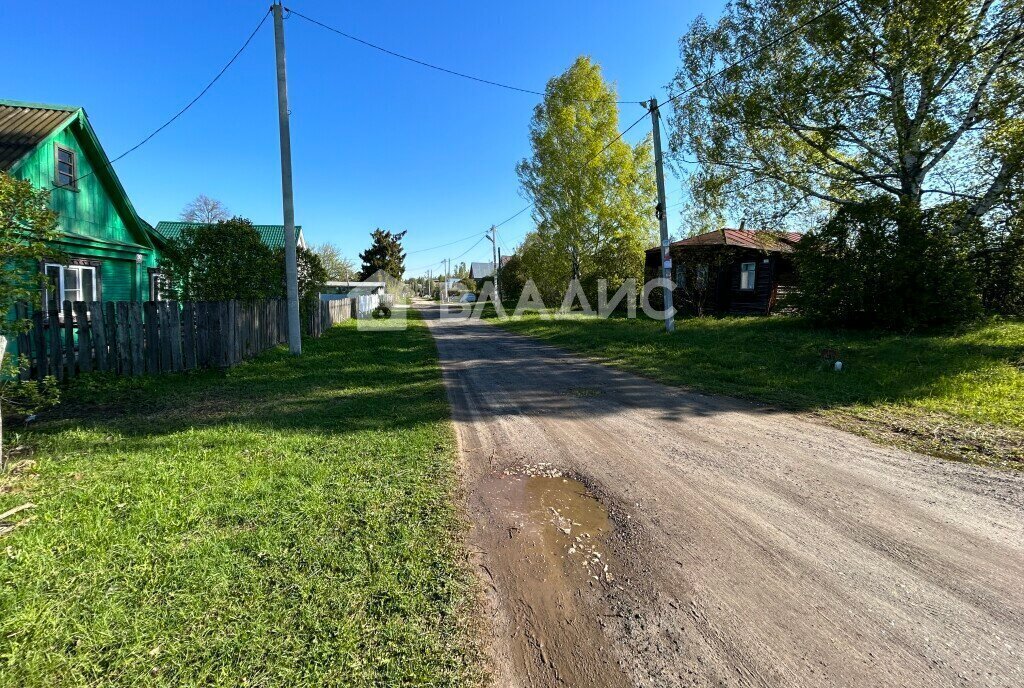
<point x="494" y="252"/>
<point x="290" y="265"/>
<point x="666" y="256"/>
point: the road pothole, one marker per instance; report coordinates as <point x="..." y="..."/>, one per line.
<point x="560" y="514"/>
<point x="549" y="561"/>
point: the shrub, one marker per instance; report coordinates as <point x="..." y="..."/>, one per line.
<point x="878" y="264"/>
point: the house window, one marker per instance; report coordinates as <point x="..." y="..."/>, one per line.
<point x="65" y="166"/>
<point x="158" y="285"/>
<point x="680" y="278"/>
<point x="747" y="273"/>
<point x="702" y="276"/>
<point x="69" y="283"/>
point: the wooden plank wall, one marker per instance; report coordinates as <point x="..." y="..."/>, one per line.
<point x="131" y="338"/>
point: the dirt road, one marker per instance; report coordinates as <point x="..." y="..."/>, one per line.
<point x="713" y="542"/>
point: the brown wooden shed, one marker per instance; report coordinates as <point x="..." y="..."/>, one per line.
<point x="729" y="271"/>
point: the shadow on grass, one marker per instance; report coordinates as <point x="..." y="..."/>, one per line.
<point x="348" y="381"/>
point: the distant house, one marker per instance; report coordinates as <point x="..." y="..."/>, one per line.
<point x="108" y="252"/>
<point x="479" y="271"/>
<point x="729" y="271"/>
<point x="345" y="289"/>
<point x="272" y="235"/>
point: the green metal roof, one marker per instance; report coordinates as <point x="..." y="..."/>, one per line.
<point x="272" y="235"/>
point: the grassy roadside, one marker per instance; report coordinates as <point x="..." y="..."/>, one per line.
<point x="289" y="523"/>
<point x="956" y="395"/>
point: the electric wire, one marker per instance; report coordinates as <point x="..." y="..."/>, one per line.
<point x="179" y="113"/>
<point x="429" y="65"/>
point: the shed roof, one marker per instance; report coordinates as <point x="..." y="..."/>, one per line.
<point x="272" y="235"/>
<point x="23" y="126"/>
<point x="745" y="238"/>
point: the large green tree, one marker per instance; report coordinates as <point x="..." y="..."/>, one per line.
<point x="593" y="194"/>
<point x="385" y="253"/>
<point x="919" y="100"/>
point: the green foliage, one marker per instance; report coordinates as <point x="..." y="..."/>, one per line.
<point x="385" y="253"/>
<point x="27" y="226"/>
<point x="594" y="206"/>
<point x="338" y="267"/>
<point x="919" y="100"/>
<point x="221" y="261"/>
<point x="187" y="535"/>
<point x="512" y="278"/>
<point x="996" y="254"/>
<point x="25" y="397"/>
<point x="311" y="274"/>
<point x="228" y="260"/>
<point x="878" y="264"/>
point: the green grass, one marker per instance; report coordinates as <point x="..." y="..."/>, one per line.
<point x="289" y="523"/>
<point x="972" y="381"/>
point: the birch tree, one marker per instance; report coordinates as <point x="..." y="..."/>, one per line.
<point x="593" y="196"/>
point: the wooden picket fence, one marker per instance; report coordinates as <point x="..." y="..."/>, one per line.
<point x="132" y="338"/>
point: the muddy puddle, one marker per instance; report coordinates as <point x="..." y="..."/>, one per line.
<point x="550" y="563"/>
<point x="567" y="521"/>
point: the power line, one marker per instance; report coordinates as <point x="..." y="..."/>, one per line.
<point x="450" y="243"/>
<point x="429" y="65"/>
<point x="183" y="110"/>
<point x="693" y="87"/>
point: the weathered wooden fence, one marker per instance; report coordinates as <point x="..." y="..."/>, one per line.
<point x="132" y="338"/>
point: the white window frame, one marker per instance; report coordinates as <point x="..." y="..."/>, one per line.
<point x="60" y="286"/>
<point x="752" y="271"/>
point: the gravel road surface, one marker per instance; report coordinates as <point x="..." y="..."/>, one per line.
<point x="630" y="533"/>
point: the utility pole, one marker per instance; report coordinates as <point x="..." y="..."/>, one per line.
<point x="290" y="267"/>
<point x="666" y="256"/>
<point x="446" y="264"/>
<point x="494" y="253"/>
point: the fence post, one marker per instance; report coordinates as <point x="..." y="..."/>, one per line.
<point x="110" y="327"/>
<point x="138" y="338"/>
<point x="40" y="342"/>
<point x="151" y="323"/>
<point x="124" y="351"/>
<point x="175" y="321"/>
<point x="69" y="339"/>
<point x="98" y="333"/>
<point x="84" y="337"/>
<point x="189" y="324"/>
<point x="53" y="327"/>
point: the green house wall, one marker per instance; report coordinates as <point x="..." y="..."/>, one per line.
<point x="92" y="223"/>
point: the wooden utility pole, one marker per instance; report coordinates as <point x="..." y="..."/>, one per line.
<point x="290" y="261"/>
<point x="494" y="252"/>
<point x="666" y="256"/>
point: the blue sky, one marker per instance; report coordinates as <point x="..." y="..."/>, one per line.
<point x="377" y="142"/>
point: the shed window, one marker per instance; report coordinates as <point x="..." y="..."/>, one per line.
<point x="69" y="283"/>
<point x="747" y="273"/>
<point x="66" y="167"/>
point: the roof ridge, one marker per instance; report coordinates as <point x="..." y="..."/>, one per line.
<point x="39" y="106"/>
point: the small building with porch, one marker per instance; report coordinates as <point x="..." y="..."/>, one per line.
<point x="729" y="271"/>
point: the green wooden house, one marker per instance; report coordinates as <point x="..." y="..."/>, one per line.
<point x="108" y="253"/>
